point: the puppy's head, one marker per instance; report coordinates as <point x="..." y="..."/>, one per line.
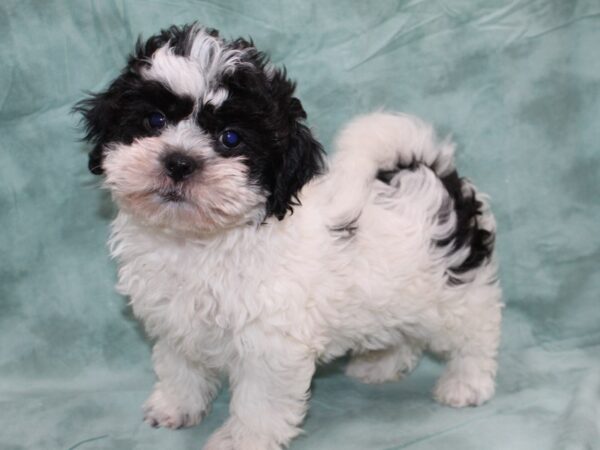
<point x="200" y="134"/>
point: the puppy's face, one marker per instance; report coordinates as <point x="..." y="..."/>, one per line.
<point x="200" y="135"/>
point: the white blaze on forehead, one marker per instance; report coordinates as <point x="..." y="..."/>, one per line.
<point x="187" y="137"/>
<point x="197" y="74"/>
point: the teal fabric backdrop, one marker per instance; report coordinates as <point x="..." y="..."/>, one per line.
<point x="517" y="82"/>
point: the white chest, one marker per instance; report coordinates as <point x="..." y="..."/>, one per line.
<point x="193" y="293"/>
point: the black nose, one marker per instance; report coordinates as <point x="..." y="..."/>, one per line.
<point x="179" y="166"/>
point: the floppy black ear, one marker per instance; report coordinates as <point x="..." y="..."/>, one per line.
<point x="96" y="113"/>
<point x="95" y="158"/>
<point x="300" y="162"/>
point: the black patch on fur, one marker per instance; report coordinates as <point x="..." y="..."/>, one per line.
<point x="118" y="114"/>
<point x="467" y="232"/>
<point x="387" y="175"/>
<point x="277" y="146"/>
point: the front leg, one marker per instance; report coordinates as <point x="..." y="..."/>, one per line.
<point x="270" y="388"/>
<point x="184" y="390"/>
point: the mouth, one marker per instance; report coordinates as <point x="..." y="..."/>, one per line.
<point x="171" y="196"/>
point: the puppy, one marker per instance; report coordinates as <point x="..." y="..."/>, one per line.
<point x="243" y="252"/>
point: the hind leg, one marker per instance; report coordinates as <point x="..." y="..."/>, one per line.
<point x="379" y="366"/>
<point x="467" y="381"/>
<point x="471" y="346"/>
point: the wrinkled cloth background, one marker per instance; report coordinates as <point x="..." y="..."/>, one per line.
<point x="517" y="82"/>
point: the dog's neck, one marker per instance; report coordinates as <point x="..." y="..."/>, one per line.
<point x="128" y="232"/>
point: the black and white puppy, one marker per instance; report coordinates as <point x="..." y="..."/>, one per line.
<point x="244" y="252"/>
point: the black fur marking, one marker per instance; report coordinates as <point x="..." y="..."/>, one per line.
<point x="387" y="175"/>
<point x="118" y="114"/>
<point x="278" y="148"/>
<point x="467" y="232"/>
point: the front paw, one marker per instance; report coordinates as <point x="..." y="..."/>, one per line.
<point x="162" y="410"/>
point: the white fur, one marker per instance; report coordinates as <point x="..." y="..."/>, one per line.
<point x="265" y="303"/>
<point x="198" y="74"/>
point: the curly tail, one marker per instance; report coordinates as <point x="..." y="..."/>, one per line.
<point x="379" y="146"/>
<point x="372" y="145"/>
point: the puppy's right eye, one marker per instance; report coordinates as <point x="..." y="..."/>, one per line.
<point x="155" y="121"/>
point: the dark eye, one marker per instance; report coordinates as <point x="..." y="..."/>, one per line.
<point x="230" y="138"/>
<point x="156" y="121"/>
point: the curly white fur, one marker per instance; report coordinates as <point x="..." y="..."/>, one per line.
<point x="266" y="302"/>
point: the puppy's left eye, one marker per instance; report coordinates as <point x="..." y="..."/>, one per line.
<point x="156" y="121"/>
<point x="230" y="139"/>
